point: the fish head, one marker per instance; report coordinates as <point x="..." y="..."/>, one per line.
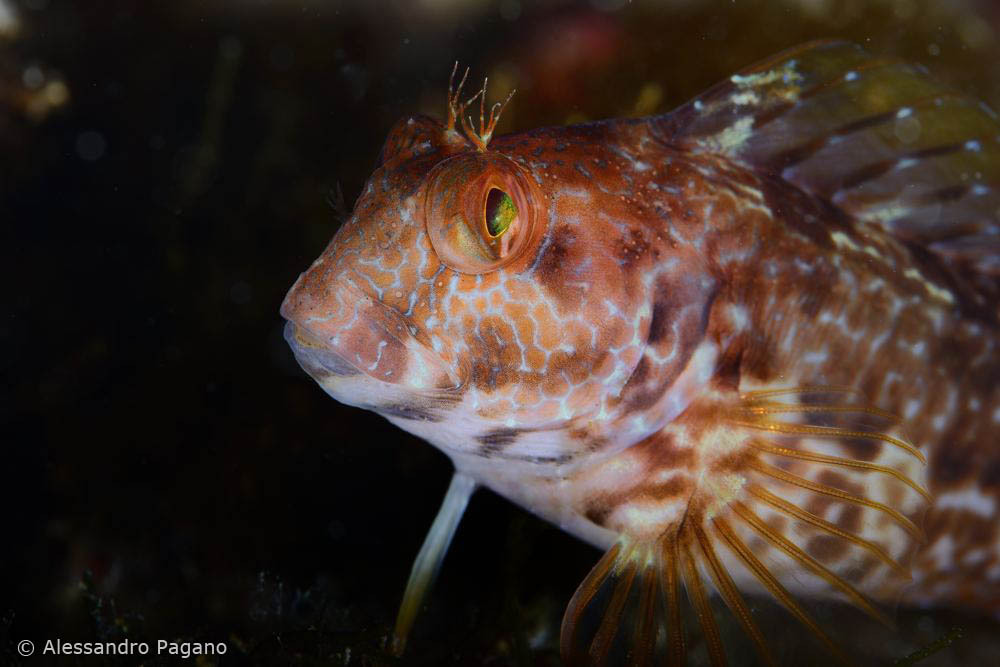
<point x="475" y="296"/>
<point x="350" y="316"/>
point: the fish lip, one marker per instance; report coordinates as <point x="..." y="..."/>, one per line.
<point x="317" y="357"/>
<point x="313" y="352"/>
<point x="313" y="349"/>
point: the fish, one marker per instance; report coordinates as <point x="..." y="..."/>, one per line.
<point x="746" y="348"/>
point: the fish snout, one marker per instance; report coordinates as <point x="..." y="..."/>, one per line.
<point x="340" y="331"/>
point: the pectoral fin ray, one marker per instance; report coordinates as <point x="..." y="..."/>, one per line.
<point x="764" y="529"/>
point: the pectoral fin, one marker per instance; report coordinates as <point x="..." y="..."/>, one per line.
<point x="803" y="495"/>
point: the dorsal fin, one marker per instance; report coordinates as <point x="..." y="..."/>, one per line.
<point x="876" y="137"/>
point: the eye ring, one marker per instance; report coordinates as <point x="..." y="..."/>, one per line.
<point x="480" y="211"/>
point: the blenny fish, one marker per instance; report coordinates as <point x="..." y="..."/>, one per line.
<point x="746" y="348"/>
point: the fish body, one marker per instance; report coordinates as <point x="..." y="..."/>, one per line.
<point x="747" y="348"/>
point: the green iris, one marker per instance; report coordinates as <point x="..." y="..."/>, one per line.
<point x="500" y="212"/>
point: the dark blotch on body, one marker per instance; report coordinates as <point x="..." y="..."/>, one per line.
<point x="975" y="298"/>
<point x="727" y="373"/>
<point x="862" y="449"/>
<point x="803" y="212"/>
<point x="759" y="357"/>
<point x="953" y="464"/>
<point x="637" y="393"/>
<point x="850" y="519"/>
<point x="665" y="307"/>
<point x="598" y="513"/>
<point x="990" y="477"/>
<point x="826" y="547"/>
<point x="553" y="262"/>
<point x="499" y="438"/>
<point x="414" y="412"/>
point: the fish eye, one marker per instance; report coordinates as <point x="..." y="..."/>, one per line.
<point x="499" y="212"/>
<point x="480" y="212"/>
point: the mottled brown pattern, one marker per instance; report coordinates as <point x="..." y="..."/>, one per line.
<point x="826" y="547"/>
<point x="724" y="324"/>
<point x="557" y="261"/>
<point x="759" y="358"/>
<point x="850" y="519"/>
<point x="956" y="463"/>
<point x="861" y="449"/>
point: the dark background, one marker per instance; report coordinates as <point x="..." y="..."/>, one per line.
<point x="165" y="171"/>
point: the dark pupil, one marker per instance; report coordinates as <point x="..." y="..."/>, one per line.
<point x="500" y="212"/>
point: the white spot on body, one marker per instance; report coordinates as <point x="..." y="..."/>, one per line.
<point x="745" y="98"/>
<point x="786" y="74"/>
<point x="647" y="517"/>
<point x="835" y="512"/>
<point x="877" y="342"/>
<point x="875" y="285"/>
<point x="816" y="358"/>
<point x="378" y="355"/>
<point x="886" y="213"/>
<point x="942" y="552"/>
<point x="803" y="266"/>
<point x="731" y="139"/>
<point x="841" y="240"/>
<point x="738" y="317"/>
<point x="933" y="290"/>
<point x="969" y="499"/>
<point x="873" y="251"/>
<point x="975" y="557"/>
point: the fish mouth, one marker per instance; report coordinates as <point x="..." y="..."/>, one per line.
<point x="315" y="356"/>
<point x="353" y="384"/>
<point x="347" y="339"/>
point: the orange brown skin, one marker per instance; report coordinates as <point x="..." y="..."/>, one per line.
<point x="539" y="376"/>
<point x="514" y="358"/>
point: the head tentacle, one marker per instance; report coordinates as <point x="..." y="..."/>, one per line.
<point x="455" y="106"/>
<point x="481" y="138"/>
